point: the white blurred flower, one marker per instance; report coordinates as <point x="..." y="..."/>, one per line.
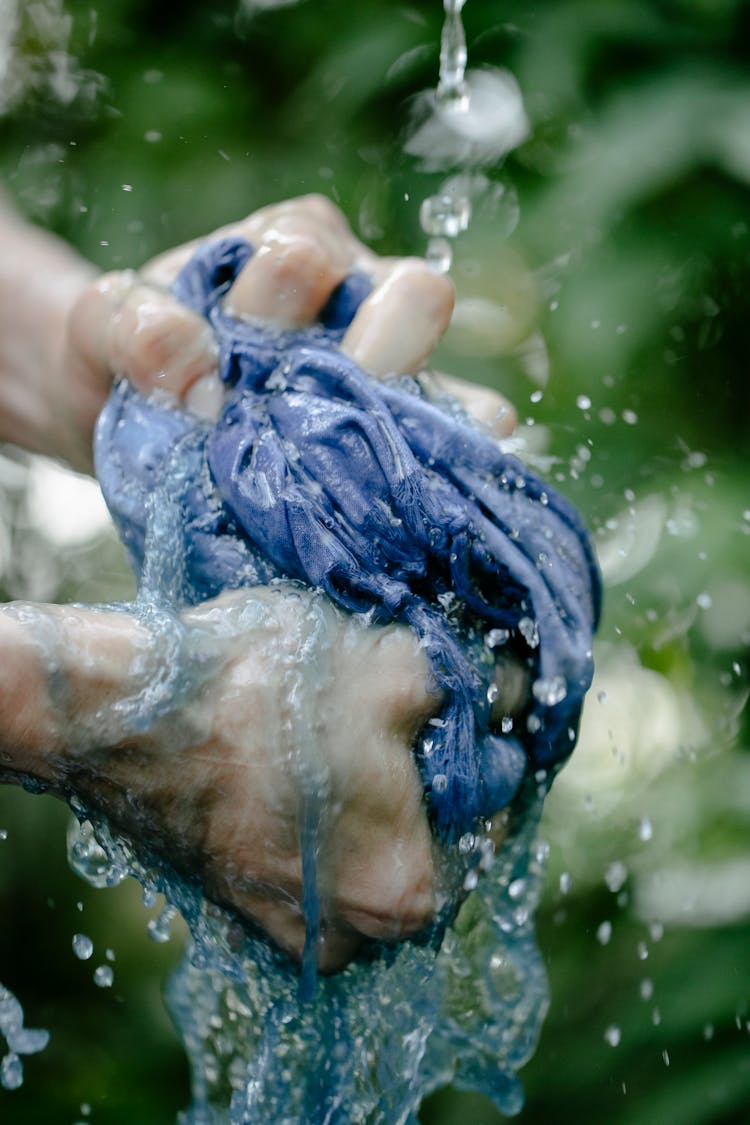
<point x="635" y="724"/>
<point x="65" y="507"/>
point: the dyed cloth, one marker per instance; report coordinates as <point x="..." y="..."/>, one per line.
<point x="388" y="503"/>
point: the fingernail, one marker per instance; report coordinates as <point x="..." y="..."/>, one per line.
<point x="206" y="397"/>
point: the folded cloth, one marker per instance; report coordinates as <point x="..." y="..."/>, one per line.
<point x="391" y="504"/>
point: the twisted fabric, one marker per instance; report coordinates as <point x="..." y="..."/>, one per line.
<point x="388" y="503"/>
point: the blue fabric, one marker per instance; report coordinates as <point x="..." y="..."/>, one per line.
<point x="387" y="502"/>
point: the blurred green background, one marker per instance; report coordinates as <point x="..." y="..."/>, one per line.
<point x="615" y="247"/>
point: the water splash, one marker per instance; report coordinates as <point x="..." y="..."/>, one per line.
<point x="373" y="1040"/>
<point x="88" y="859"/>
<point x="20" y="1040"/>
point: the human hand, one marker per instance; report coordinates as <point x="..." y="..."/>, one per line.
<point x="128" y="324"/>
<point x="303" y="250"/>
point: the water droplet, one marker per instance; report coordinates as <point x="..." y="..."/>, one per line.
<point x="3" y="833"/>
<point x="565" y="882"/>
<point x="613" y="1035"/>
<point x="439" y="783"/>
<point x="446" y="214"/>
<point x="26" y="1040"/>
<point x="704" y="601"/>
<point x="616" y="875"/>
<point x="583" y="402"/>
<point x="550" y="692"/>
<point x="11" y="1072"/>
<point x="645" y="829"/>
<point x="604" y="933"/>
<point x="629" y="417"/>
<point x="471" y="880"/>
<point x="83" y="946"/>
<point x="492" y="693"/>
<point x="496" y="637"/>
<point x="665" y="1056"/>
<point x="642" y="951"/>
<point x="104" y="976"/>
<point x="439" y="255"/>
<point x="506" y="724"/>
<point x="159" y="928"/>
<point x="646" y="988"/>
<point x="517" y="888"/>
<point x="601" y="696"/>
<point x="529" y="631"/>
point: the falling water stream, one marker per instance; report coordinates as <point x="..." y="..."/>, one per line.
<point x="468" y="123"/>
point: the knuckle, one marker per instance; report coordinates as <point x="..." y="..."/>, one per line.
<point x="160" y="334"/>
<point x="321" y="207"/>
<point x="399" y="904"/>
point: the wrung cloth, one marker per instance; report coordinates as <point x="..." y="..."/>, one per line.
<point x="384" y="500"/>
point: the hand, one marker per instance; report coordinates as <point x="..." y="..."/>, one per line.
<point x="226" y="803"/>
<point x="217" y="786"/>
<point x="128" y="324"/>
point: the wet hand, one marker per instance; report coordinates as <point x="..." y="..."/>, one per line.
<point x="377" y="878"/>
<point x="128" y="324"/>
<point x="291" y="705"/>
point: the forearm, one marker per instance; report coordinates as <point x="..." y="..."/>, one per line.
<point x="40" y="280"/>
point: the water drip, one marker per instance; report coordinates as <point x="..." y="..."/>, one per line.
<point x="88" y="859"/>
<point x="83" y="947"/>
<point x="470" y="121"/>
<point x="20" y="1040"/>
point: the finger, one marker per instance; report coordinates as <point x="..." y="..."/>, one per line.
<point x="399" y="324"/>
<point x="379" y="871"/>
<point x="288" y="279"/>
<point x="313" y="211"/>
<point x="319" y="214"/>
<point x="492" y="410"/>
<point x="400" y="682"/>
<point x="205" y="398"/>
<point x="121" y="327"/>
<point x="384" y="873"/>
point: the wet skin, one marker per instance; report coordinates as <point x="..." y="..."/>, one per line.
<point x="217" y="787"/>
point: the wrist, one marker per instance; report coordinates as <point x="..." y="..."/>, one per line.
<point x="63" y="671"/>
<point x="41" y="279"/>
